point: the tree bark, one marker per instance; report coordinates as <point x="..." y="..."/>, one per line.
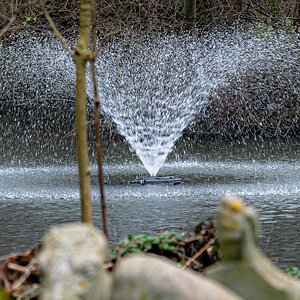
<point x="81" y="56"/>
<point x="189" y="12"/>
<point x="189" y="9"/>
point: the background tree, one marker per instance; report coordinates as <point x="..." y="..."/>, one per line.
<point x="189" y="10"/>
<point x="81" y="55"/>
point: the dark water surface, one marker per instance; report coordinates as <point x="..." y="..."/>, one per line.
<point x="38" y="193"/>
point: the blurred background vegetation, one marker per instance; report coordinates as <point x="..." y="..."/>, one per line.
<point x="130" y="15"/>
<point x="246" y="114"/>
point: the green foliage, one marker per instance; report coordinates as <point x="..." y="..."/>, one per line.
<point x="30" y="19"/>
<point x="293" y="271"/>
<point x="165" y="241"/>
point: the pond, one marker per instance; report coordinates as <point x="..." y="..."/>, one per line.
<point x="39" y="191"/>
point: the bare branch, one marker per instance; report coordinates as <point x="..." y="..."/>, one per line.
<point x="15" y="10"/>
<point x="108" y="36"/>
<point x="97" y="122"/>
<point x="4" y="17"/>
<point x="6" y="28"/>
<point x="195" y="256"/>
<point x="55" y="30"/>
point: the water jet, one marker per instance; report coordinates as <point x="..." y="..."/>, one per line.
<point x="152" y="86"/>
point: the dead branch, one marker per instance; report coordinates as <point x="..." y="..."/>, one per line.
<point x="97" y="123"/>
<point x="202" y="250"/>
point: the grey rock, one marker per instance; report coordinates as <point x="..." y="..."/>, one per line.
<point x="146" y="277"/>
<point x="72" y="260"/>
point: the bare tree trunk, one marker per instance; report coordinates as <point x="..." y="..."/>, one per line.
<point x="189" y="12"/>
<point x="81" y="56"/>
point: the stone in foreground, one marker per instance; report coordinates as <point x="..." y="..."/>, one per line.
<point x="245" y="269"/>
<point x="154" y="278"/>
<point x="72" y="260"/>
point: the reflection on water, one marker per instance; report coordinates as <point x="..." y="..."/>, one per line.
<point x="32" y="198"/>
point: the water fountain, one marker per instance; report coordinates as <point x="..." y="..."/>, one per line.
<point x="38" y="174"/>
<point x="151" y="86"/>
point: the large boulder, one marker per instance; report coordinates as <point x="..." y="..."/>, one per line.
<point x="72" y="260"/>
<point x="142" y="277"/>
<point x="244" y="268"/>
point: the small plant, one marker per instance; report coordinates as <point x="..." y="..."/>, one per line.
<point x="293" y="271"/>
<point x="30" y="19"/>
<point x="165" y="241"/>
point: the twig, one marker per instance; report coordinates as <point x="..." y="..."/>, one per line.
<point x="27" y="273"/>
<point x="11" y="21"/>
<point x="192" y="239"/>
<point x="97" y="123"/>
<point x="15" y="11"/>
<point x="196" y="255"/>
<point x="108" y="36"/>
<point x="16" y="267"/>
<point x="55" y="30"/>
<point x="4" y="17"/>
<point x="73" y="131"/>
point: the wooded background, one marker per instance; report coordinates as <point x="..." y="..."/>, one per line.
<point x="130" y="15"/>
<point x="227" y="116"/>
